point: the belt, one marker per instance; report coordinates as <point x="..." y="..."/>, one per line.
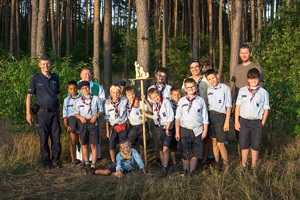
<point x="215" y="112"/>
<point x="46" y="109"/>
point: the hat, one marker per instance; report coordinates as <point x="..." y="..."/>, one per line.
<point x="120" y="82"/>
<point x="83" y="83"/>
<point x="194" y="60"/>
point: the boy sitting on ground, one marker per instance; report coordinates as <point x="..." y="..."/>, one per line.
<point x="124" y="162"/>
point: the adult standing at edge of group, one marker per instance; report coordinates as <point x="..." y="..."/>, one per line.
<point x="45" y="87"/>
<point x="239" y="77"/>
<point x="97" y="90"/>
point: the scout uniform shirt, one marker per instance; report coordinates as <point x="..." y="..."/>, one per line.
<point x="88" y="107"/>
<point x="253" y="103"/>
<point x="116" y="113"/>
<point x="164" y="91"/>
<point x="69" y="106"/>
<point x="163" y="113"/>
<point x="219" y="98"/>
<point x="135" y="114"/>
<point x="192" y="113"/>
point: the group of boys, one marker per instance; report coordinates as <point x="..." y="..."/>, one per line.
<point x="170" y="117"/>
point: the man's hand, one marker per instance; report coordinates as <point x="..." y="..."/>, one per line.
<point x="29" y="119"/>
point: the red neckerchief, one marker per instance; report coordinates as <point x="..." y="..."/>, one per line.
<point x="161" y="91"/>
<point x="252" y="91"/>
<point x="115" y="105"/>
<point x="157" y="109"/>
<point x="129" y="106"/>
<point x="190" y="101"/>
<point x="88" y="104"/>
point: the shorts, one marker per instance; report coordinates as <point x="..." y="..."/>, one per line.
<point x="116" y="137"/>
<point x="217" y="124"/>
<point x="136" y="134"/>
<point x="73" y="123"/>
<point x="112" y="168"/>
<point x="191" y="146"/>
<point x="162" y="139"/>
<point x="174" y="142"/>
<point x="251" y="134"/>
<point x="88" y="133"/>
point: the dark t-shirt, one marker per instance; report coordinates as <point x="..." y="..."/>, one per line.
<point x="240" y="75"/>
<point x="45" y="90"/>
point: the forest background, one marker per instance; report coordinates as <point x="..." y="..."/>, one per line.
<point x="109" y="35"/>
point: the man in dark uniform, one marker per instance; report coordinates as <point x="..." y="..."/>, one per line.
<point x="45" y="87"/>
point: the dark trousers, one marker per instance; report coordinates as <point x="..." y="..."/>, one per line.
<point x="49" y="126"/>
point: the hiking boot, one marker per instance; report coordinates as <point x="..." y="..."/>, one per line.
<point x="175" y="168"/>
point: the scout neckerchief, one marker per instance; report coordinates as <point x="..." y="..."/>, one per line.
<point x="161" y="91"/>
<point x="126" y="156"/>
<point x="252" y="91"/>
<point x="157" y="109"/>
<point x="88" y="104"/>
<point x="129" y="106"/>
<point x="115" y="105"/>
<point x="174" y="105"/>
<point x="190" y="100"/>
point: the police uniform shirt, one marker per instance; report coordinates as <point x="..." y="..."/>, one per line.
<point x="118" y="115"/>
<point x="253" y="109"/>
<point x="219" y="98"/>
<point x="135" y="114"/>
<point x="45" y="90"/>
<point x="164" y="114"/>
<point x="69" y="106"/>
<point x="192" y="117"/>
<point x="166" y="93"/>
<point x="88" y="107"/>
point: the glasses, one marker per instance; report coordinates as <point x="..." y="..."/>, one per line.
<point x="190" y="88"/>
<point x="161" y="76"/>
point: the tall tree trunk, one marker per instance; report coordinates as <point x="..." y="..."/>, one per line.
<point x="210" y="25"/>
<point x="127" y="39"/>
<point x="87" y="28"/>
<point x="34" y="24"/>
<point x="12" y="37"/>
<point x="259" y="21"/>
<point x="196" y="29"/>
<point x="96" y="57"/>
<point x="58" y="30"/>
<point x="143" y="36"/>
<point x="235" y="35"/>
<point x="164" y="38"/>
<point x="220" y="70"/>
<point x="53" y="33"/>
<point x="41" y="28"/>
<point x="252" y="6"/>
<point x="68" y="28"/>
<point x="107" y="43"/>
<point x="18" y="29"/>
<point x="175" y="21"/>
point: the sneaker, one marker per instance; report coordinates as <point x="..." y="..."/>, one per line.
<point x="225" y="167"/>
<point x="175" y="168"/>
<point x="163" y="173"/>
<point x="57" y="164"/>
<point x="91" y="171"/>
<point x="205" y="167"/>
<point x="192" y="173"/>
<point x="185" y="173"/>
<point x="158" y="162"/>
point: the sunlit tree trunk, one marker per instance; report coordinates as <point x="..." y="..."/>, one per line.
<point x="12" y="37"/>
<point x="210" y="28"/>
<point x="127" y="39"/>
<point x="259" y="20"/>
<point x="107" y="43"/>
<point x="53" y="32"/>
<point x="34" y="24"/>
<point x="41" y="28"/>
<point x="220" y="70"/>
<point x="164" y="38"/>
<point x="175" y="21"/>
<point x="68" y="29"/>
<point x="143" y="36"/>
<point x="252" y="6"/>
<point x="96" y="57"/>
<point x="86" y="28"/>
<point x="195" y="29"/>
<point x="235" y="35"/>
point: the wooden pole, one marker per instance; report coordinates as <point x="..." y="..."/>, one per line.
<point x="144" y="125"/>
